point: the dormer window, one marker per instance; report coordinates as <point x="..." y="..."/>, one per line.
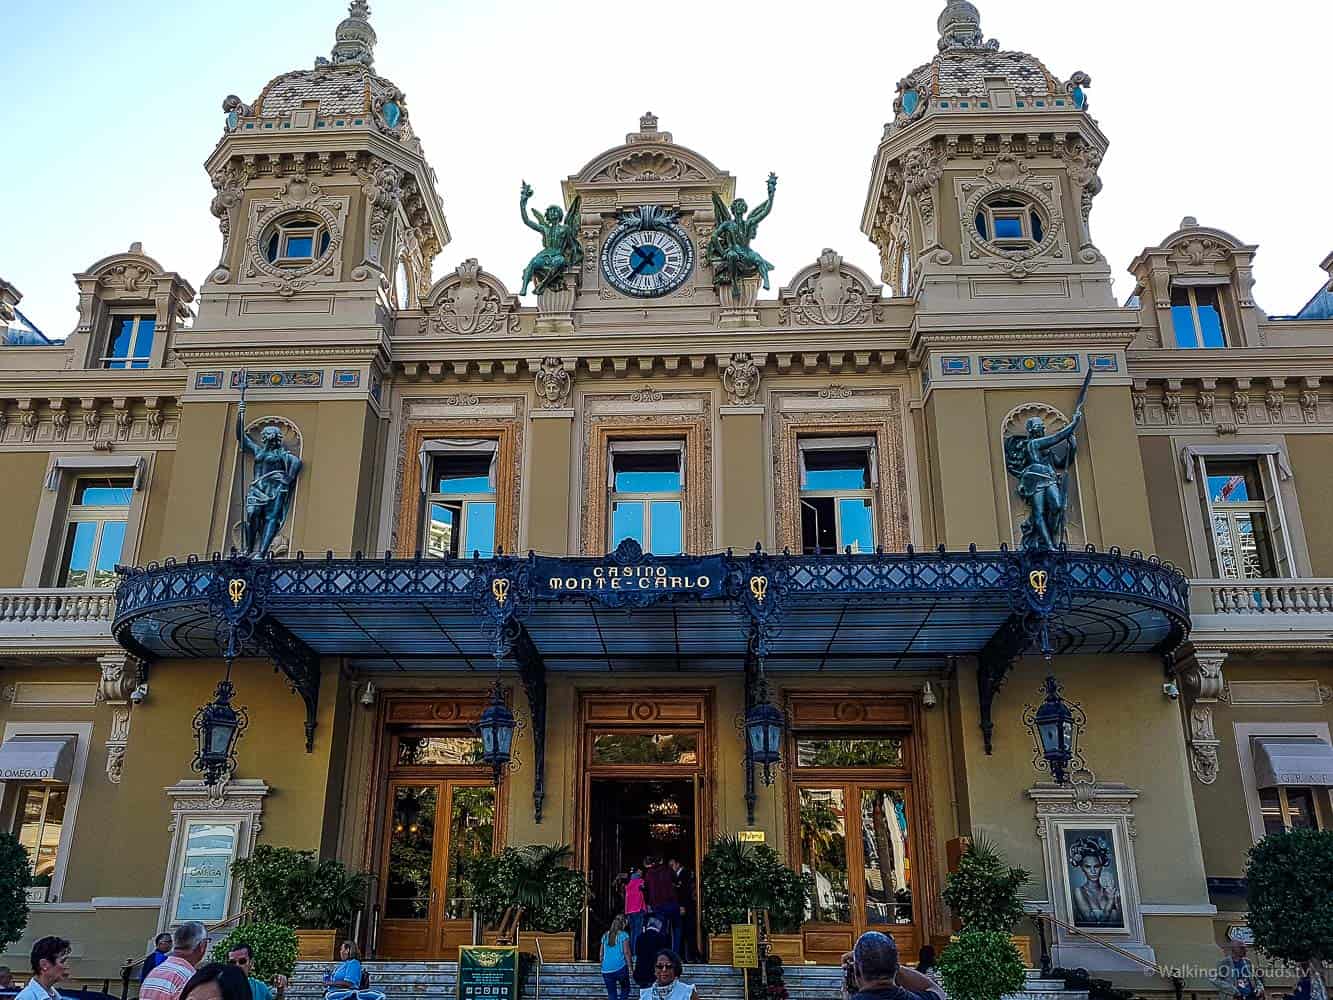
<point x="1010" y="224"/>
<point x="1196" y="316"/>
<point x="296" y="241"/>
<point x="130" y="342"/>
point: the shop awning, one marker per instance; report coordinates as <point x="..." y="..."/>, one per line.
<point x="1296" y="760"/>
<point x="37" y="758"/>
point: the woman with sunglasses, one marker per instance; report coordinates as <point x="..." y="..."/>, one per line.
<point x="667" y="984"/>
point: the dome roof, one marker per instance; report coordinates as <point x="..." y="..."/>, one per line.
<point x="343" y="85"/>
<point x="970" y="69"/>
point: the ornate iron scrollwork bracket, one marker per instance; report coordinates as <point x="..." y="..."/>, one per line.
<point x="532" y="671"/>
<point x="994" y="662"/>
<point x="299" y="664"/>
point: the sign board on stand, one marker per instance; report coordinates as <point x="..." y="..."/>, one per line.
<point x="487" y="972"/>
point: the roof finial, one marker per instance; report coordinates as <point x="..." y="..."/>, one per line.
<point x="354" y="41"/>
<point x="960" y="27"/>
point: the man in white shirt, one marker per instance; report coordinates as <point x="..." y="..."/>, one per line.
<point x="50" y="964"/>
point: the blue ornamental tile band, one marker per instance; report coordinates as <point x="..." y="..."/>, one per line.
<point x="1030" y="364"/>
<point x="956" y="366"/>
<point x="304" y="378"/>
<point x="346" y="378"/>
<point x="208" y="380"/>
<point x="1103" y="362"/>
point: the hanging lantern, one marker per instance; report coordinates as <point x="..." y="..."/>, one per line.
<point x="1055" y="728"/>
<point x="217" y="728"/>
<point x="497" y="733"/>
<point x="763" y="736"/>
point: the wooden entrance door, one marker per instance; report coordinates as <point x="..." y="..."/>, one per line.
<point x="855" y="839"/>
<point x="434" y="830"/>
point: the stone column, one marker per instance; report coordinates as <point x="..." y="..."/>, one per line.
<point x="553" y="456"/>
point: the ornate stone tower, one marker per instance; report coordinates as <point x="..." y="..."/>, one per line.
<point x="324" y="196"/>
<point x="984" y="180"/>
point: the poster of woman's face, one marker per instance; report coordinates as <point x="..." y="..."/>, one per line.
<point x="1094" y="879"/>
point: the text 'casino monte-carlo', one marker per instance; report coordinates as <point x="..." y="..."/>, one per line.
<point x="696" y="544"/>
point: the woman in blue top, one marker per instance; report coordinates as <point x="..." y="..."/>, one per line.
<point x="616" y="959"/>
<point x="344" y="982"/>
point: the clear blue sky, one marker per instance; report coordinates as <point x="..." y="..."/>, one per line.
<point x="1214" y="109"/>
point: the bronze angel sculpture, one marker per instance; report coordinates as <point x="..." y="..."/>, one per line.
<point x="560" y="250"/>
<point x="1041" y="462"/>
<point x="729" y="251"/>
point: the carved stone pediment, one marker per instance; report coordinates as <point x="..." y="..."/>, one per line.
<point x="470" y="301"/>
<point x="829" y="292"/>
<point x="649" y="157"/>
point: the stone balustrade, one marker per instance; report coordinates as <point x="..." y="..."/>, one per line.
<point x="33" y="618"/>
<point x="1262" y="597"/>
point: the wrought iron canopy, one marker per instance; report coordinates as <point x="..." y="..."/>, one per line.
<point x="629" y="611"/>
<point x="633" y="611"/>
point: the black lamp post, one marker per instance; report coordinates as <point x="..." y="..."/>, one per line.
<point x="497" y="733"/>
<point x="1055" y="728"/>
<point x="217" y="728"/>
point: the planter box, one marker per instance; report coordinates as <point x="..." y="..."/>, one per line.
<point x="1023" y="944"/>
<point x="555" y="947"/>
<point x="788" y="947"/>
<point x="316" y="946"/>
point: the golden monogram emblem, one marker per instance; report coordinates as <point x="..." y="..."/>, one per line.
<point x="1037" y="581"/>
<point x="500" y="588"/>
<point x="236" y="590"/>
<point x="759" y="588"/>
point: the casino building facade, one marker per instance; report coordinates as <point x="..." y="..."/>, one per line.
<point x="567" y="494"/>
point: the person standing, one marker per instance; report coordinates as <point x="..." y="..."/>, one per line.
<point x="189" y="944"/>
<point x="1237" y="977"/>
<point x="616" y="959"/>
<point x="636" y="904"/>
<point x="50" y="964"/>
<point x="662" y="898"/>
<point x="243" y="957"/>
<point x="654" y="939"/>
<point x="7" y="980"/>
<point x="682" y="883"/>
<point x="161" y="949"/>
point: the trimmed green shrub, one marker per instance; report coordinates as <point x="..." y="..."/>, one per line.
<point x="14" y="881"/>
<point x="981" y="965"/>
<point x="274" y="948"/>
<point x="1291" y="895"/>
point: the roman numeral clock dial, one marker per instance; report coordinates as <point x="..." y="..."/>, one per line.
<point x="647" y="255"/>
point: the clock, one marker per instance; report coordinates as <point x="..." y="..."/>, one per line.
<point x="647" y="255"/>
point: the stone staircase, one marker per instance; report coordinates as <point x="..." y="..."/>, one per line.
<point x="559" y="981"/>
<point x="583" y="981"/>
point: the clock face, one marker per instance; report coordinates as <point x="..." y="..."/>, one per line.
<point x="647" y="262"/>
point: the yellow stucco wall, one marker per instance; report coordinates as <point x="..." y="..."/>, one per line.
<point x="551" y="463"/>
<point x="744" y="467"/>
<point x="1309" y="455"/>
<point x="22" y="473"/>
<point x="1168" y="522"/>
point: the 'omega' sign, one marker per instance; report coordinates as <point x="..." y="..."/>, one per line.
<point x="26" y="773"/>
<point x="604" y="578"/>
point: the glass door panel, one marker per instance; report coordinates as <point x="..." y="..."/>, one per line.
<point x="886" y="864"/>
<point x="471" y="837"/>
<point x="824" y="861"/>
<point x="409" y="879"/>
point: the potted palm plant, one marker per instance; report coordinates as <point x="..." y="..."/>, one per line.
<point x="317" y="898"/>
<point x="739" y="878"/>
<point x="539" y="879"/>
